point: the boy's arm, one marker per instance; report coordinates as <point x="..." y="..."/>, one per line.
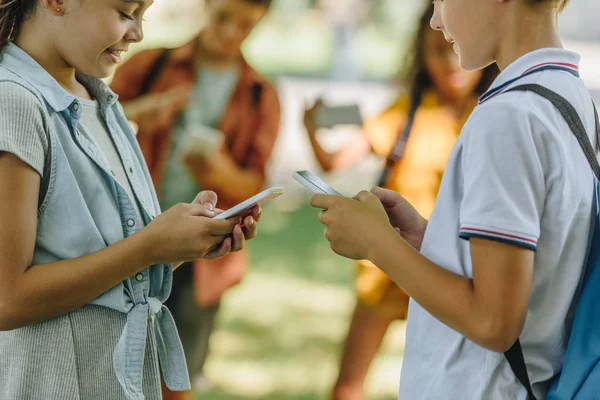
<point x="489" y="309"/>
<point x="503" y="196"/>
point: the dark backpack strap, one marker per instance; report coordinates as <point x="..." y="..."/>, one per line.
<point x="573" y="120"/>
<point x="515" y="359"/>
<point x="398" y="149"/>
<point x="514" y="355"/>
<point x="597" y="128"/>
<point x="154" y="72"/>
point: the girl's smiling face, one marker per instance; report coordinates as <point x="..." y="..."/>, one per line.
<point x="92" y="34"/>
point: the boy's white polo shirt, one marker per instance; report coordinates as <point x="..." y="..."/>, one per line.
<point x="518" y="175"/>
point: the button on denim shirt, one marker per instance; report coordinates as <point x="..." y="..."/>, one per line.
<point x="83" y="209"/>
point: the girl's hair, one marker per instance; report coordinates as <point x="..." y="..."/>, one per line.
<point x="266" y="3"/>
<point x="558" y="4"/>
<point x="14" y="12"/>
<point x="12" y="15"/>
<point x="414" y="72"/>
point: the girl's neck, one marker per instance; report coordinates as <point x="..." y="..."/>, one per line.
<point x="46" y="55"/>
<point x="208" y="58"/>
<point x="525" y="31"/>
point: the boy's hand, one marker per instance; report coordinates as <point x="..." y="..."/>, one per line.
<point x="353" y="226"/>
<point x="403" y="216"/>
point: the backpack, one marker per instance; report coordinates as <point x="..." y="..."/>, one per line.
<point x="580" y="375"/>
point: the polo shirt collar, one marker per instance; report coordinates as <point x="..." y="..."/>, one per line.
<point x="549" y="58"/>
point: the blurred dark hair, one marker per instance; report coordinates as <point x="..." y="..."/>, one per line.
<point x="266" y="3"/>
<point x="12" y="15"/>
<point x="414" y="72"/>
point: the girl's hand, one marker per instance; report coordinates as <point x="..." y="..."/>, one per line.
<point x="353" y="226"/>
<point x="250" y="223"/>
<point x="186" y="232"/>
<point x="243" y="230"/>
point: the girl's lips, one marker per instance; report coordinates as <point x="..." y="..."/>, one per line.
<point x="115" y="55"/>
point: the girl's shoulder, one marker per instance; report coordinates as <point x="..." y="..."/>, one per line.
<point x="23" y="124"/>
<point x="19" y="102"/>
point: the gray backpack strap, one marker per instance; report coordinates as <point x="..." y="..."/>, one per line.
<point x="573" y="120"/>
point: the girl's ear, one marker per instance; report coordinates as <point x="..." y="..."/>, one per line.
<point x="55" y="7"/>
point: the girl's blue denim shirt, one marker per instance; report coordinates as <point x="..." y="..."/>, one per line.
<point x="83" y="209"/>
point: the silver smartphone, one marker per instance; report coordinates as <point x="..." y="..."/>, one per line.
<point x="330" y="116"/>
<point x="314" y="183"/>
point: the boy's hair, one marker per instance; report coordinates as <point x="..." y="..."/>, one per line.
<point x="12" y="15"/>
<point x="558" y="4"/>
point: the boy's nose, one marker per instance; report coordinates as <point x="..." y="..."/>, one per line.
<point x="436" y="19"/>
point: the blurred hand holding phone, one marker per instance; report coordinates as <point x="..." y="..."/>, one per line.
<point x="202" y="141"/>
<point x="324" y="116"/>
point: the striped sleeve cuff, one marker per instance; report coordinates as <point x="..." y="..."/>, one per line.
<point x="516" y="240"/>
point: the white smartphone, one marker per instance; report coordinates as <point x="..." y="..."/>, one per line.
<point x="314" y="183"/>
<point x="247" y="205"/>
<point x="330" y="116"/>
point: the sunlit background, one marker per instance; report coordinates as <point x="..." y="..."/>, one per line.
<point x="279" y="334"/>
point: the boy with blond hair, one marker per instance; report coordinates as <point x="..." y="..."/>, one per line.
<point x="499" y="264"/>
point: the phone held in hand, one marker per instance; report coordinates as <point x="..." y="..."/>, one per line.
<point x="244" y="207"/>
<point x="314" y="183"/>
<point x="330" y="116"/>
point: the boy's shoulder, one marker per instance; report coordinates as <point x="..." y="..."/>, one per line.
<point x="519" y="111"/>
<point x="509" y="114"/>
<point x="516" y="103"/>
<point x="521" y="127"/>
